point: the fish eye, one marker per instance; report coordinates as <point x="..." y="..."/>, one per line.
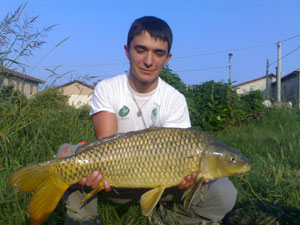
<point x="232" y="159"/>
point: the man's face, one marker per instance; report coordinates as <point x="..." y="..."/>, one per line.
<point x="147" y="57"/>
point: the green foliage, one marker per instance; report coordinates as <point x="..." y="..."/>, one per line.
<point x="217" y="106"/>
<point x="50" y="98"/>
<point x="173" y="79"/>
<point x="252" y="102"/>
<point x="270" y="192"/>
<point x="33" y="133"/>
<point x="10" y="96"/>
<point x="214" y="105"/>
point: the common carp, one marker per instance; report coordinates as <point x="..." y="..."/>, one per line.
<point x="155" y="158"/>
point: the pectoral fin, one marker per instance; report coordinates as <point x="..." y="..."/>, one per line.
<point x="190" y="194"/>
<point x="150" y="199"/>
<point x="93" y="192"/>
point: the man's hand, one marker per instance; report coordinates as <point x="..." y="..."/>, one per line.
<point x="189" y="181"/>
<point x="93" y="181"/>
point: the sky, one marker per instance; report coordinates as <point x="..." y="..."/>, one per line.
<point x="204" y="33"/>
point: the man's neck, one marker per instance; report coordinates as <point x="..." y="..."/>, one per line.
<point x="140" y="87"/>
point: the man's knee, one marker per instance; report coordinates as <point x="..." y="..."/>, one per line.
<point x="225" y="194"/>
<point x="219" y="198"/>
<point x="78" y="213"/>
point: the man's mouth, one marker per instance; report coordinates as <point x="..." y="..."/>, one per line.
<point x="146" y="71"/>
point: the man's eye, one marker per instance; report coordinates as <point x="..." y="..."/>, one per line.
<point x="139" y="50"/>
<point x="160" y="54"/>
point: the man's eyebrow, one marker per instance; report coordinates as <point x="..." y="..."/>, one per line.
<point x="158" y="50"/>
<point x="162" y="51"/>
<point x="141" y="47"/>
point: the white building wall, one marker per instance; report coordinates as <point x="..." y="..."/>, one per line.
<point x="29" y="89"/>
<point x="255" y="85"/>
<point x="80" y="100"/>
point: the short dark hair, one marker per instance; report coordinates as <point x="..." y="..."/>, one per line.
<point x="156" y="27"/>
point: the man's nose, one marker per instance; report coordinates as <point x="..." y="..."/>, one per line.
<point x="148" y="60"/>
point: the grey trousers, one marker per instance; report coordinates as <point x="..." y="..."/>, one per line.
<point x="218" y="199"/>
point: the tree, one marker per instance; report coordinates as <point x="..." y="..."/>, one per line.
<point x="173" y="79"/>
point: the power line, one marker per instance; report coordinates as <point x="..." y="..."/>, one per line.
<point x="90" y="65"/>
<point x="223" y="51"/>
<point x="235" y="49"/>
<point x="297" y="35"/>
<point x="208" y="68"/>
<point x="286" y="55"/>
<point x="174" y="58"/>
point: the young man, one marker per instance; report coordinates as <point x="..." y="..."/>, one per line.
<point x="137" y="100"/>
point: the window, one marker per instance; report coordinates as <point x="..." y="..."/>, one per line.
<point x="18" y="86"/>
<point x="31" y="89"/>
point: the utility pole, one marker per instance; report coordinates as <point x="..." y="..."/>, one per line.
<point x="278" y="72"/>
<point x="230" y="55"/>
<point x="267" y="80"/>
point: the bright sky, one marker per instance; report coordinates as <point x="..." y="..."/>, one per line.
<point x="205" y="32"/>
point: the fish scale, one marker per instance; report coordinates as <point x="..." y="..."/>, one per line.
<point x="155" y="158"/>
<point x="147" y="159"/>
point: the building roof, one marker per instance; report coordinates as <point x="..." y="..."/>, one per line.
<point x="290" y="74"/>
<point x="75" y="81"/>
<point x="21" y="75"/>
<point x="256" y="79"/>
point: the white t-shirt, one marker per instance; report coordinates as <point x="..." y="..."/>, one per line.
<point x="163" y="107"/>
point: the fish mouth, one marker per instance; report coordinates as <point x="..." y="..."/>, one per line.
<point x="246" y="168"/>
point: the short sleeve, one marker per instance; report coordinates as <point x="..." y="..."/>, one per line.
<point x="102" y="99"/>
<point x="177" y="113"/>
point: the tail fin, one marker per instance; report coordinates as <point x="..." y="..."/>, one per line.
<point x="47" y="188"/>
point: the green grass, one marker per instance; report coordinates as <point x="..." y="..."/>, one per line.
<point x="268" y="194"/>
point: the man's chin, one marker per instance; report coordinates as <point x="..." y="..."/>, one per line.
<point x="146" y="79"/>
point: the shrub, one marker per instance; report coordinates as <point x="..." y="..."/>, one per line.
<point x="217" y="106"/>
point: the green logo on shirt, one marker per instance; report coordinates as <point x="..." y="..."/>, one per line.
<point x="124" y="111"/>
<point x="154" y="113"/>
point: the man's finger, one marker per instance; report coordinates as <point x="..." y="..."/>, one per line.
<point x="91" y="178"/>
<point x="83" y="181"/>
<point x="96" y="181"/>
<point x="194" y="175"/>
<point x="182" y="184"/>
<point x="188" y="178"/>
<point x="107" y="186"/>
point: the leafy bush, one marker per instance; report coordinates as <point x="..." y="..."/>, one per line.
<point x="214" y="105"/>
<point x="217" y="106"/>
<point x="173" y="79"/>
<point x="252" y="103"/>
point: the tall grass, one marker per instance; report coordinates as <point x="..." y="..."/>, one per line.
<point x="33" y="133"/>
<point x="268" y="194"/>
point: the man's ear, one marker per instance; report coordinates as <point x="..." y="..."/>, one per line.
<point x="168" y="58"/>
<point x="126" y="50"/>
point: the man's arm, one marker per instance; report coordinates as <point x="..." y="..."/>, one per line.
<point x="105" y="124"/>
